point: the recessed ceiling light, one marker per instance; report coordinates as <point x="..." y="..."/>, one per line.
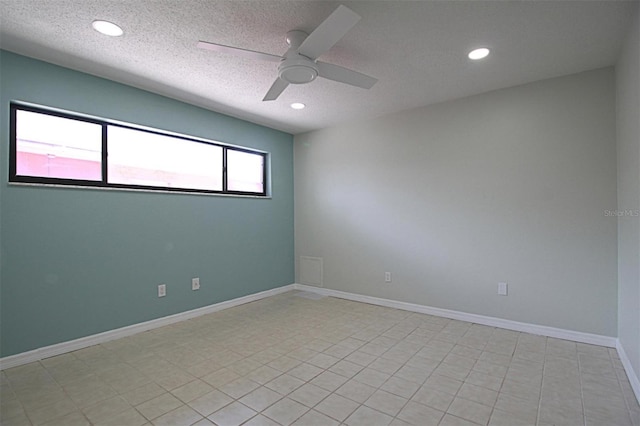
<point x="297" y="105"/>
<point x="476" y="54"/>
<point x="107" y="28"/>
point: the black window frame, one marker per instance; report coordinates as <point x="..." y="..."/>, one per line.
<point x="104" y="182"/>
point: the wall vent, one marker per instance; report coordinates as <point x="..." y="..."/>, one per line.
<point x="310" y="269"/>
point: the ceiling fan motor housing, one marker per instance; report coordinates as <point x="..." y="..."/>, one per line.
<point x="298" y="70"/>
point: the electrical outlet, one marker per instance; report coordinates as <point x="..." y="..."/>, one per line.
<point x="387" y="277"/>
<point x="162" y="290"/>
<point x="502" y="289"/>
<point x="195" y="283"/>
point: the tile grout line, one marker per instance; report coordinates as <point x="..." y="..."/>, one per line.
<point x="384" y="332"/>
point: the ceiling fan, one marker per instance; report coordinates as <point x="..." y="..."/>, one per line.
<point x="299" y="64"/>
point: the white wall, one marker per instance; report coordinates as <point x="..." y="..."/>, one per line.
<point x="452" y="198"/>
<point x="628" y="134"/>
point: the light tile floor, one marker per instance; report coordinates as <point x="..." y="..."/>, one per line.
<point x="291" y="360"/>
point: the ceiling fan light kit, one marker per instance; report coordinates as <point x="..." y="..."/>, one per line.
<point x="299" y="64"/>
<point x="297" y="71"/>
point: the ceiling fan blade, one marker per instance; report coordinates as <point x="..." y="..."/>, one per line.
<point x="250" y="54"/>
<point x="344" y="75"/>
<point x="277" y="88"/>
<point x="329" y="32"/>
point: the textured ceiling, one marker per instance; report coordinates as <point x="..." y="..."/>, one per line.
<point x="417" y="49"/>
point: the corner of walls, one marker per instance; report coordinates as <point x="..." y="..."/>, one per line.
<point x="628" y="208"/>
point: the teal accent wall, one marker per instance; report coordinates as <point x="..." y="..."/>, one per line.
<point x="76" y="262"/>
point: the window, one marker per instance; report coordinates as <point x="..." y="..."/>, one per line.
<point x="244" y="171"/>
<point x="151" y="159"/>
<point x="56" y="147"/>
<point x="49" y="147"/>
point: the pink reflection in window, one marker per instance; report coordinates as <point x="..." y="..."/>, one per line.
<point x="245" y="171"/>
<point x="56" y="147"/>
<point x="149" y="159"/>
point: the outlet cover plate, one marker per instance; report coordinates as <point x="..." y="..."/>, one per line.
<point x="502" y="289"/>
<point x="162" y="290"/>
<point x="195" y="283"/>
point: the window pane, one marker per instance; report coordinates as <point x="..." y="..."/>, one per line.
<point x="142" y="158"/>
<point x="56" y="147"/>
<point x="245" y="171"/>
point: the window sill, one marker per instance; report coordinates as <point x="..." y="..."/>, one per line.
<point x="151" y="191"/>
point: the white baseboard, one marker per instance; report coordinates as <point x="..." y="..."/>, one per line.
<point x="95" y="339"/>
<point x="576" y="336"/>
<point x="628" y="368"/>
<point x="84" y="342"/>
<point x="541" y="330"/>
